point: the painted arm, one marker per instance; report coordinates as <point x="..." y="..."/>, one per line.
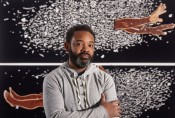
<point x="120" y="24"/>
<point x="155" y="31"/>
<point x="29" y="104"/>
<point x="24" y="97"/>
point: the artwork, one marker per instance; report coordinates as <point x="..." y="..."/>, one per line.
<point x="126" y="31"/>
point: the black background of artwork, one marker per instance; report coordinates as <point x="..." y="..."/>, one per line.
<point x="12" y="51"/>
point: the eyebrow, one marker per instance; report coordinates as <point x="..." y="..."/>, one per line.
<point x="79" y="40"/>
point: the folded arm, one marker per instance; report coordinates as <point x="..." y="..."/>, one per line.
<point x="55" y="108"/>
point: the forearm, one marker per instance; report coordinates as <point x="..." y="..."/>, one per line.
<point x="30" y="104"/>
<point x="158" y="30"/>
<point x="130" y="22"/>
<point x="139" y="30"/>
<point x="23" y="97"/>
<point x="30" y="96"/>
<point x="55" y="104"/>
<point x="98" y="112"/>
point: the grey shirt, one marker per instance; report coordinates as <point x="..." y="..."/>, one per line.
<point x="67" y="95"/>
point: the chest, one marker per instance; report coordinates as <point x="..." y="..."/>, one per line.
<point x="82" y="93"/>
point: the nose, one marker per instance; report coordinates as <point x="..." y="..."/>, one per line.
<point x="85" y="48"/>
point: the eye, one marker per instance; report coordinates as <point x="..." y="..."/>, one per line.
<point x="91" y="45"/>
<point x="79" y="44"/>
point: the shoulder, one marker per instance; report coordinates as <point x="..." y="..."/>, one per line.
<point x="103" y="74"/>
<point x="53" y="76"/>
<point x="54" y="72"/>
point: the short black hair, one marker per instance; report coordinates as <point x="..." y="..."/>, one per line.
<point x="75" y="28"/>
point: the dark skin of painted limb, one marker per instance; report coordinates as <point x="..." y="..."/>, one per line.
<point x="140" y="25"/>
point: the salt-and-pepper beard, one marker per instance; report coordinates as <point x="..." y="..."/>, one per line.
<point x="76" y="60"/>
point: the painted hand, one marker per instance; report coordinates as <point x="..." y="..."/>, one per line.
<point x="154" y="18"/>
<point x="159" y="30"/>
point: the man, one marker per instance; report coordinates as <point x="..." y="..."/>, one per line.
<point x="77" y="88"/>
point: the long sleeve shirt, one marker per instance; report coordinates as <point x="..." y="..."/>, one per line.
<point x="67" y="95"/>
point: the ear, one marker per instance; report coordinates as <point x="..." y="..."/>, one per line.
<point x="67" y="46"/>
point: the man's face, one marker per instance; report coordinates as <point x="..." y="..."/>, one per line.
<point x="81" y="50"/>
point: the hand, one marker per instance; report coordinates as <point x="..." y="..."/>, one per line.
<point x="159" y="30"/>
<point x="112" y="107"/>
<point x="9" y="98"/>
<point x="154" y="18"/>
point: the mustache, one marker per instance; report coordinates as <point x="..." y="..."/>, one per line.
<point x="84" y="53"/>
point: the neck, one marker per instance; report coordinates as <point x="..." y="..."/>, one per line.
<point x="77" y="69"/>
